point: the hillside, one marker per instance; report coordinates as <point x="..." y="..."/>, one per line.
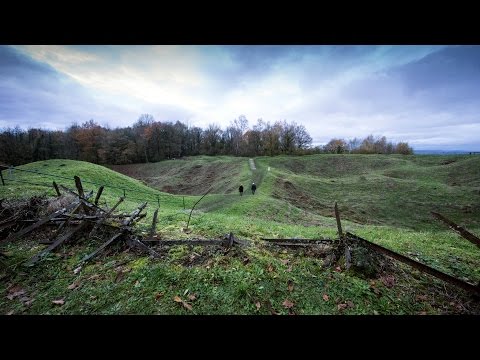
<point x="393" y="190"/>
<point x="386" y="199"/>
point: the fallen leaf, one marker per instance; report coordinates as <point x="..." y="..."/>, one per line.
<point x="186" y="305"/>
<point x="74" y="285"/>
<point x="284" y="261"/>
<point x="338" y="269"/>
<point x="77" y="270"/>
<point x="177" y="299"/>
<point x="192" y="297"/>
<point x="94" y="277"/>
<point x="58" y="302"/>
<point x="288" y="304"/>
<point x="375" y="312"/>
<point x="246" y="260"/>
<point x="422" y="313"/>
<point x="325" y="297"/>
<point x="289" y="268"/>
<point x="257" y="305"/>
<point x="185" y="292"/>
<point x="341" y="307"/>
<point x="290" y="285"/>
<point x="11" y="312"/>
<point x="270" y="268"/>
<point x="158" y="296"/>
<point x="350" y="304"/>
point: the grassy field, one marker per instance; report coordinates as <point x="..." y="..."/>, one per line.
<point x="386" y="199"/>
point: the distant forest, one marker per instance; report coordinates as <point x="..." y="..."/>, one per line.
<point x="151" y="141"/>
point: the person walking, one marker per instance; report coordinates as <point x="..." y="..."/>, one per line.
<point x="254" y="187"/>
<point x="240" y="189"/>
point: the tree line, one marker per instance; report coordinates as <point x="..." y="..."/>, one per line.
<point x="369" y="145"/>
<point x="148" y="140"/>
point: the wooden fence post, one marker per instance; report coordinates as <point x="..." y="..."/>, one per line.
<point x="55" y="186"/>
<point x="339" y="224"/>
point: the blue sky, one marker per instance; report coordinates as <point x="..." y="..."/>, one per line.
<point x="426" y="95"/>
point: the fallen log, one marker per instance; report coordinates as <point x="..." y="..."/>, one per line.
<point x="457" y="228"/>
<point x="39" y="223"/>
<point x="192" y="242"/>
<point x="104" y="217"/>
<point x="296" y="241"/>
<point x="55" y="244"/>
<point x="417" y="265"/>
<point x="96" y="252"/>
<point x="137" y="243"/>
<point x="125" y="228"/>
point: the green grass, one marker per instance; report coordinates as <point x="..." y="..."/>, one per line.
<point x="386" y="199"/>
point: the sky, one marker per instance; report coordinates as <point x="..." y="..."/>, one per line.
<point x="428" y="96"/>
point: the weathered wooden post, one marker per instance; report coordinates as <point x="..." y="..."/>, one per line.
<point x="99" y="193"/>
<point x="55" y="186"/>
<point x="339" y="224"/>
<point x="78" y="184"/>
<point x="154" y="223"/>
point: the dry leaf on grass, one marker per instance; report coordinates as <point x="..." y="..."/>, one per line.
<point x="186" y="305"/>
<point x="58" y="302"/>
<point x="325" y="297"/>
<point x="288" y="304"/>
<point x="74" y="285"/>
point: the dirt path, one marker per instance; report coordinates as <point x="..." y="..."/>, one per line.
<point x="252" y="164"/>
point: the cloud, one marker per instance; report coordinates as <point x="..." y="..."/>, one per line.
<point x="410" y="93"/>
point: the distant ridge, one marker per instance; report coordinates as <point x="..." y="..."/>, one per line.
<point x="442" y="152"/>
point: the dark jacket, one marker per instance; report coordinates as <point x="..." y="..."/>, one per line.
<point x="254" y="187"/>
<point x="240" y="188"/>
